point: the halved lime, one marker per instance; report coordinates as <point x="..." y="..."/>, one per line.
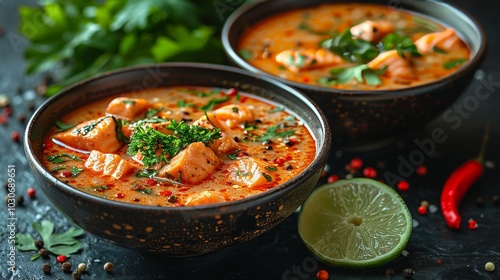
<point x="356" y="223"/>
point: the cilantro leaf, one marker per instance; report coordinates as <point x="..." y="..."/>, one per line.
<point x="75" y="171"/>
<point x="400" y="43"/>
<point x="60" y="158"/>
<point x="57" y="243"/>
<point x="454" y="63"/>
<point x="272" y="132"/>
<point x="212" y="102"/>
<point x="350" y="49"/>
<point x="63" y="126"/>
<point x="361" y="73"/>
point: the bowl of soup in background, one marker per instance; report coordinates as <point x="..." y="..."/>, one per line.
<point x="363" y="115"/>
<point x="187" y="230"/>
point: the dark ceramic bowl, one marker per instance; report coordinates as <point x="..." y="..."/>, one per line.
<point x="369" y="115"/>
<point x="178" y="231"/>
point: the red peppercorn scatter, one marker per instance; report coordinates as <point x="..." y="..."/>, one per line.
<point x="14" y="135"/>
<point x="472" y="224"/>
<point x="332" y="178"/>
<point x="31" y="192"/>
<point x="439" y="261"/>
<point x="422" y="170"/>
<point x="422" y="210"/>
<point x="61" y="258"/>
<point x="370" y="172"/>
<point x="403" y="185"/>
<point x="356" y="163"/>
<point x="119" y="195"/>
<point x="322" y="275"/>
<point x="232" y="92"/>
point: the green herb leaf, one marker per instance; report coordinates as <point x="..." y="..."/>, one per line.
<point x="276" y="109"/>
<point x="100" y="188"/>
<point x="271" y="168"/>
<point x="454" y="63"/>
<point x="151" y="112"/>
<point x="268" y="177"/>
<point x="361" y="73"/>
<point x="63" y="126"/>
<point x="60" y="158"/>
<point x="128" y="102"/>
<point x="439" y="50"/>
<point x="352" y="50"/>
<point x="272" y="132"/>
<point x="234" y="109"/>
<point x="246" y="54"/>
<point x="57" y="243"/>
<point x="400" y="43"/>
<point x="75" y="171"/>
<point x="183" y="103"/>
<point x="146" y="173"/>
<point x="119" y="131"/>
<point x="214" y="101"/>
<point x="148" y="141"/>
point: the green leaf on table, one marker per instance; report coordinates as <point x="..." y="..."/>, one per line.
<point x="56" y="243"/>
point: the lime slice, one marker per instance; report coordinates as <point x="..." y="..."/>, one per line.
<point x="356" y="223"/>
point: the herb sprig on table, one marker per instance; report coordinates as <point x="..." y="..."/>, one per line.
<point x="57" y="243"/>
<point x="82" y="38"/>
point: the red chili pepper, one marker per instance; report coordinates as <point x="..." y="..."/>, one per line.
<point x="458" y="183"/>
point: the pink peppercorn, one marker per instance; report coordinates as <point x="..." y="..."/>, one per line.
<point x="403" y="185"/>
<point x="370" y="172"/>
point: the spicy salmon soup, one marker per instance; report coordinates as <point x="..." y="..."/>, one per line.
<point x="354" y="46"/>
<point x="178" y="146"/>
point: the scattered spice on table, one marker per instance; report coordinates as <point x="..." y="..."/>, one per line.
<point x="370" y="172"/>
<point x="422" y="170"/>
<point x="66" y="266"/>
<point x="422" y="210"/>
<point x="108" y="266"/>
<point x="408" y="273"/>
<point x="82" y="267"/>
<point x="403" y="185"/>
<point x="496" y="200"/>
<point x="389" y="272"/>
<point x="46" y="268"/>
<point x="43" y="252"/>
<point x="38" y="244"/>
<point x="61" y="258"/>
<point x="472" y="224"/>
<point x="489" y="266"/>
<point x="77" y="274"/>
<point x="322" y="275"/>
<point x="31" y="192"/>
<point x="480" y="202"/>
<point x="459" y="182"/>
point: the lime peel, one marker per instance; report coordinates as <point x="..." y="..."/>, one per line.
<point x="355" y="223"/>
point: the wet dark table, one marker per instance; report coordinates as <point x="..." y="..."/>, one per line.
<point x="434" y="251"/>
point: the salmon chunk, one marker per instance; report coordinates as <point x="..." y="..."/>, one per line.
<point x="297" y="60"/>
<point x="226" y="143"/>
<point x="97" y="135"/>
<point x="372" y="31"/>
<point x="398" y="68"/>
<point x="192" y="165"/>
<point x="108" y="164"/>
<point x="444" y="40"/>
<point x="203" y="198"/>
<point x="250" y="172"/>
<point x="129" y="108"/>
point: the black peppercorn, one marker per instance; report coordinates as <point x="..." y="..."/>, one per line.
<point x="66" y="266"/>
<point x="268" y="148"/>
<point x="480" y="202"/>
<point x="39" y="244"/>
<point x="77" y="275"/>
<point x="496" y="200"/>
<point x="389" y="272"/>
<point x="172" y="199"/>
<point x="20" y="200"/>
<point x="43" y="252"/>
<point x="288" y="167"/>
<point x="288" y="142"/>
<point x="46" y="268"/>
<point x="267" y="142"/>
<point x="21" y="118"/>
<point x="236" y="139"/>
<point x="408" y="273"/>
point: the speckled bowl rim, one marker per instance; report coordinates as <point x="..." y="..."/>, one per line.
<point x="473" y="63"/>
<point x="322" y="151"/>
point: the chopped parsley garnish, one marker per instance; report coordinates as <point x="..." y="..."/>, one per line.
<point x="158" y="148"/>
<point x="212" y="102"/>
<point x="146" y="173"/>
<point x="246" y="54"/>
<point x="234" y="109"/>
<point x="276" y="109"/>
<point x="243" y="173"/>
<point x="86" y="129"/>
<point x="439" y="50"/>
<point x="272" y="132"/>
<point x="75" y="171"/>
<point x="234" y="155"/>
<point x="142" y="190"/>
<point x="268" y="177"/>
<point x="454" y="63"/>
<point x="60" y="158"/>
<point x="183" y="103"/>
<point x="100" y="188"/>
<point x="119" y="132"/>
<point x="128" y="102"/>
<point x="63" y="126"/>
<point x="56" y="168"/>
<point x="271" y="168"/>
<point x="151" y="112"/>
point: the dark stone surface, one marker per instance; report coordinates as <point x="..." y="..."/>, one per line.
<point x="435" y="251"/>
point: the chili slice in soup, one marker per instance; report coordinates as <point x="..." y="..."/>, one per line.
<point x="354" y="46"/>
<point x="178" y="146"/>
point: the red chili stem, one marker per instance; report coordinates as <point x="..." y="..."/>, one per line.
<point x="459" y="182"/>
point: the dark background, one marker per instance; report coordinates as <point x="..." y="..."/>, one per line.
<point x="434" y="251"/>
